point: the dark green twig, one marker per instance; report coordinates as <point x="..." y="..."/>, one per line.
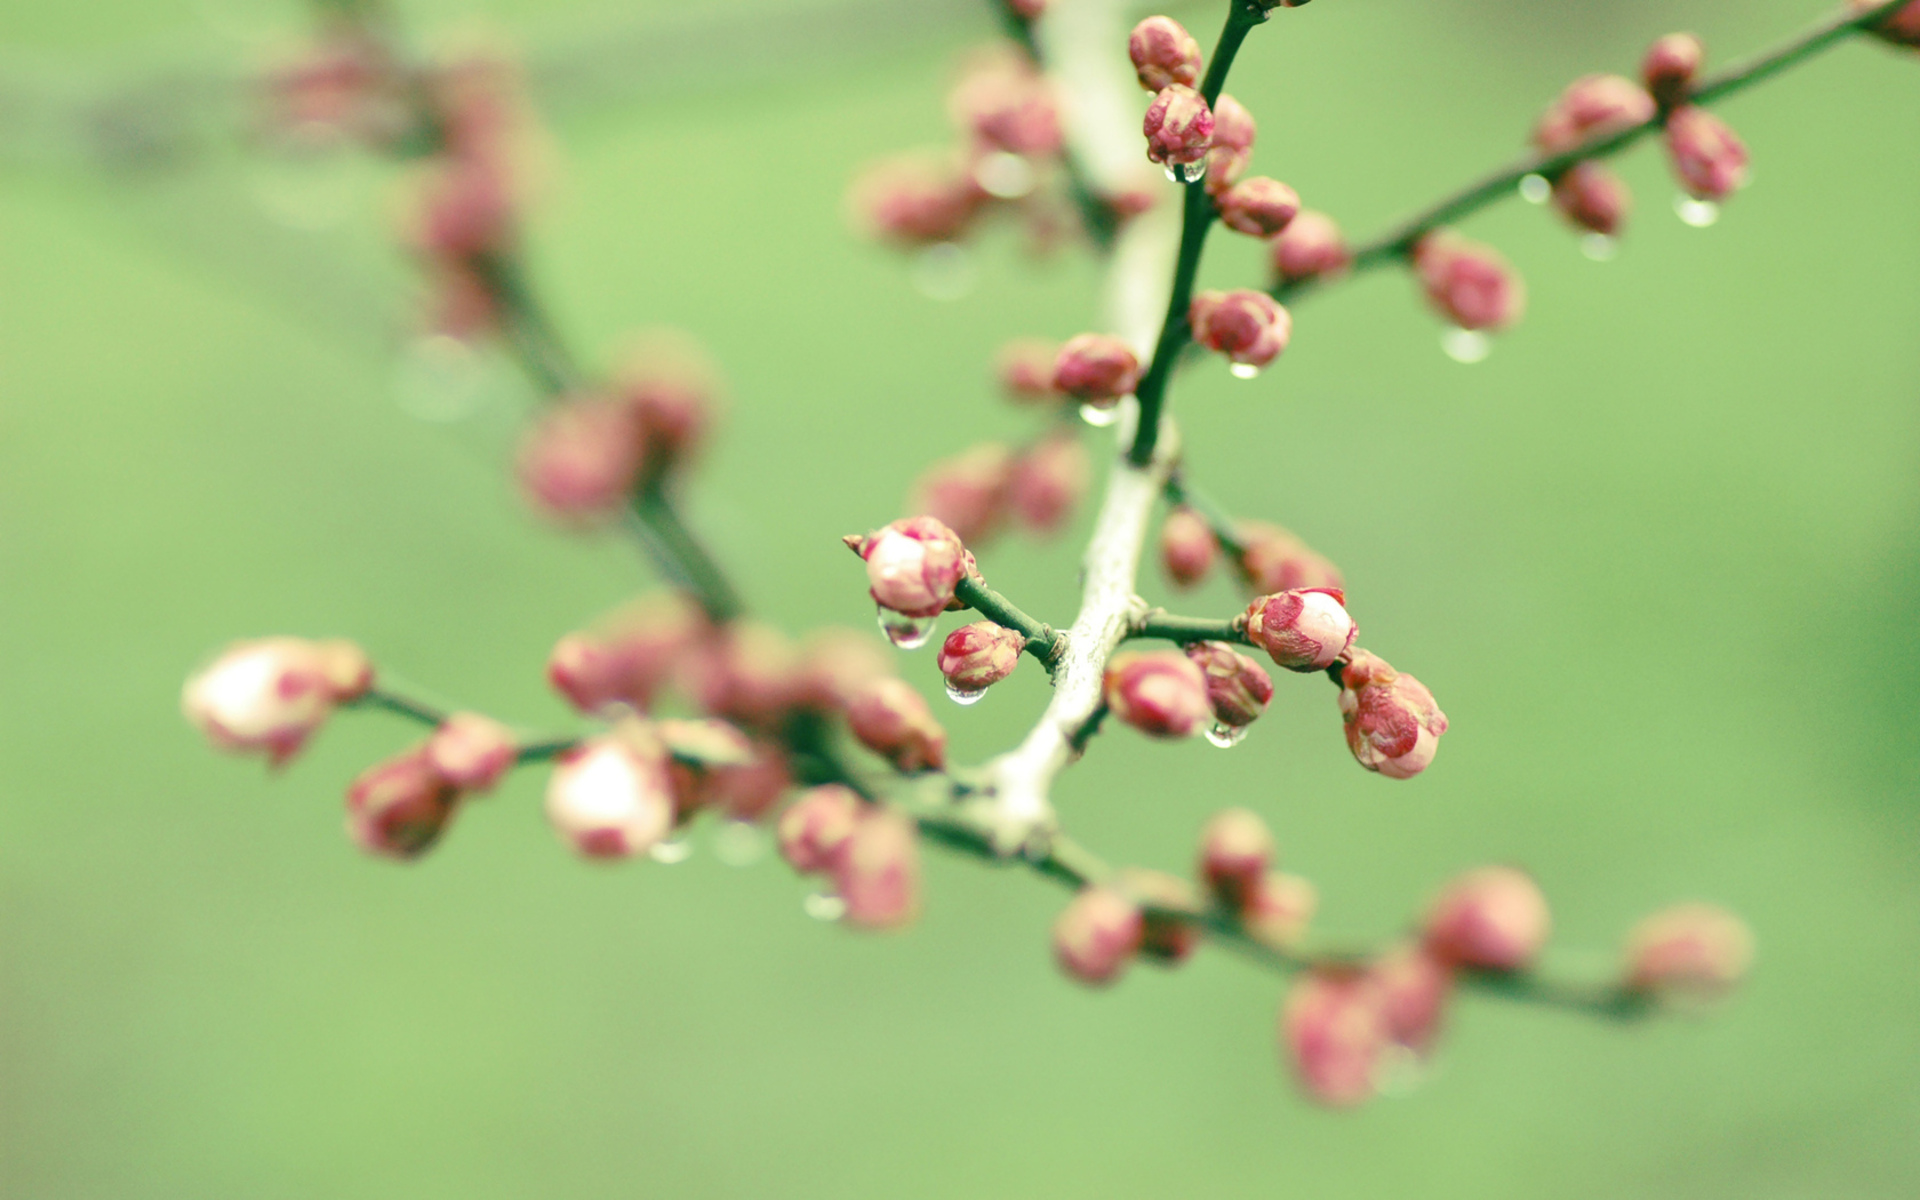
<point x="1042" y="642"/>
<point x="1226" y="530"/>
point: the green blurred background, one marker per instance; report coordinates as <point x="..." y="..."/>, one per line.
<point x="1659" y="558"/>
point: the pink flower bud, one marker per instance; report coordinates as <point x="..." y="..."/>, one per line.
<point x="1004" y="104"/>
<point x="1159" y="692"/>
<point x="1049" y="480"/>
<point x="1669" y="68"/>
<point x="747" y="673"/>
<point x="1692" y="951"/>
<point x="1280" y="909"/>
<point x="1187" y="547"/>
<point x="1334" y="1031"/>
<point x="1259" y="207"/>
<point x="1237" y="689"/>
<point x="1308" y="248"/>
<point x="1902" y="28"/>
<point x="915" y="199"/>
<point x="890" y="719"/>
<point x="673" y="396"/>
<point x="977" y="656"/>
<point x="747" y="791"/>
<point x="399" y="808"/>
<point x="1413" y="988"/>
<point x="1592" y="106"/>
<point x="463" y="208"/>
<point x="1167" y="936"/>
<point x="1097" y="934"/>
<point x="1247" y="326"/>
<point x="913" y="565"/>
<point x="610" y="797"/>
<point x="878" y="874"/>
<point x="1236" y="848"/>
<point x="580" y="459"/>
<point x="1393" y="725"/>
<point x="1306" y="629"/>
<point x="1274" y="560"/>
<point x="1470" y="284"/>
<point x="1593" y="198"/>
<point x="270" y="696"/>
<point x="1493" y="918"/>
<point x="1707" y="155"/>
<point x="458" y="303"/>
<point x="1163" y="52"/>
<point x="627" y="655"/>
<point x="471" y="751"/>
<point x="1032" y="10"/>
<point x="836" y="663"/>
<point x="1178" y="126"/>
<point x="1024" y="368"/>
<point x="816" y="828"/>
<point x="967" y="492"/>
<point x="1232" y="149"/>
<point x="1096" y="368"/>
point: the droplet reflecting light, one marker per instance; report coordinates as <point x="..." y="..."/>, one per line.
<point x="1697" y="213"/>
<point x="965" y="696"/>
<point x="943" y="271"/>
<point x="1599" y="247"/>
<point x="1226" y="736"/>
<point x="676" y="849"/>
<point x="824" y="906"/>
<point x="739" y="843"/>
<point x="1243" y="370"/>
<point x="908" y="633"/>
<point x="1466" y="345"/>
<point x="1535" y="189"/>
<point x="1099" y="417"/>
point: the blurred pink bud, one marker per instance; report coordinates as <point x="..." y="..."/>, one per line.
<point x="1236" y="848"/>
<point x="1492" y="918"/>
<point x="270" y="696"/>
<point x="344" y="668"/>
<point x="1049" y="479"/>
<point x="1593" y="198"/>
<point x="1237" y="689"/>
<point x="1470" y="284"/>
<point x="399" y="808"/>
<point x="1307" y="629"/>
<point x="968" y="492"/>
<point x="747" y="672"/>
<point x="892" y="720"/>
<point x="1024" y="368"/>
<point x="1097" y="934"/>
<point x="1005" y="104"/>
<point x="1163" y="52"/>
<point x="748" y="791"/>
<point x="815" y="829"/>
<point x="1393" y="725"/>
<point x="1693" y="951"/>
<point x="1168" y="935"/>
<point x="1280" y="909"/>
<point x="1159" y="692"/>
<point x="835" y="663"/>
<point x="1707" y="155"/>
<point x="1096" y="368"/>
<point x="1334" y="1031"/>
<point x="1258" y="207"/>
<point x="1032" y="10"/>
<point x="459" y="302"/>
<point x="878" y="875"/>
<point x="1413" y="987"/>
<point x="610" y="797"/>
<point x="1232" y="149"/>
<point x="1246" y="326"/>
<point x="580" y="458"/>
<point x="1187" y="547"/>
<point x="1902" y="28"/>
<point x="471" y="751"/>
<point x="1274" y="560"/>
<point x="627" y="655"/>
<point x="673" y="396"/>
<point x="915" y="199"/>
<point x="463" y="208"/>
<point x="1669" y="68"/>
<point x="1178" y="126"/>
<point x="1592" y="106"/>
<point x="977" y="656"/>
<point x="913" y="565"/>
<point x="1310" y="247"/>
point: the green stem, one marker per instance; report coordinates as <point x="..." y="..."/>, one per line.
<point x="422" y="713"/>
<point x="681" y="557"/>
<point x="1042" y="642"/>
<point x="535" y="341"/>
<point x="1226" y="530"/>
<point x="1184" y="630"/>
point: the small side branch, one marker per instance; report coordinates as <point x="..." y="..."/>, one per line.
<point x="1042" y="642"/>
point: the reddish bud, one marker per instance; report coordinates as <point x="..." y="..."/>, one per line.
<point x="400" y="807"/>
<point x="1493" y="918"/>
<point x="1232" y="149"/>
<point x="471" y="751"/>
<point x="1692" y="951"/>
<point x="1258" y="207"/>
<point x="747" y="672"/>
<point x="1187" y="547"/>
<point x="1178" y="126"/>
<point x="580" y="459"/>
<point x="815" y="829"/>
<point x="1413" y="988"/>
<point x="1280" y="909"/>
<point x="1902" y="28"/>
<point x="1004" y="104"/>
<point x="1163" y="52"/>
<point x="1592" y="106"/>
<point x="626" y="656"/>
<point x="836" y="663"/>
<point x="878" y="875"/>
<point x="672" y="393"/>
<point x="270" y="696"/>
<point x="1237" y="689"/>
<point x="1247" y="326"/>
<point x="1669" y="68"/>
<point x="1096" y="368"/>
<point x="748" y="791"/>
<point x="1393" y="725"/>
<point x="462" y="208"/>
<point x="1024" y="368"/>
<point x="1274" y="560"/>
<point x="977" y="656"/>
<point x="1097" y="934"/>
<point x="915" y="199"/>
<point x="967" y="492"/>
<point x="1302" y="630"/>
<point x="458" y="302"/>
<point x="1709" y="158"/>
<point x="1308" y="248"/>
<point x="1470" y="284"/>
<point x="1593" y="198"/>
<point x="1159" y="692"/>
<point x="913" y="565"/>
<point x="1334" y="1031"/>
<point x="1236" y="848"/>
<point x="892" y="720"/>
<point x="1164" y="936"/>
<point x="1032" y="10"/>
<point x="610" y="797"/>
<point x="1049" y="480"/>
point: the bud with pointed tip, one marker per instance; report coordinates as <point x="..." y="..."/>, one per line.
<point x="1049" y="479"/>
<point x="580" y="459"/>
<point x="1468" y="283"/>
<point x="1413" y="988"/>
<point x="1024" y="368"/>
<point x="1096" y="368"/>
<point x="1310" y="247"/>
<point x="1307" y="629"/>
<point x="816" y="828"/>
<point x="471" y="751"/>
<point x="1593" y="198"/>
<point x="891" y="719"/>
<point x="1237" y="689"/>
<point x="1693" y="951"/>
<point x="1280" y="909"/>
<point x="1274" y="560"/>
<point x="1259" y="207"/>
<point x="1334" y="1031"/>
<point x="1159" y="692"/>
<point x="1163" y="52"/>
<point x="1097" y="934"/>
<point x="1244" y="325"/>
<point x="1232" y="149"/>
<point x="1178" y="126"/>
<point x="1187" y="547"/>
<point x="977" y="656"/>
<point x="967" y="492"/>
<point x="1492" y="918"/>
<point x="1902" y="28"/>
<point x="1164" y="937"/>
<point x="1669" y="68"/>
<point x="270" y="696"/>
<point x="1393" y="725"/>
<point x="1709" y="158"/>
<point x="913" y="565"/>
<point x="878" y="874"/>
<point x="610" y="797"/>
<point x="400" y="807"/>
<point x="1592" y="106"/>
<point x="1236" y="848"/>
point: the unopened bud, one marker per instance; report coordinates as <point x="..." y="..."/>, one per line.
<point x="1097" y="934"/>
<point x="1707" y="155"/>
<point x="1669" y="68"/>
<point x="1168" y="935"/>
<point x="1493" y="918"/>
<point x="1244" y="325"/>
<point x="1280" y="909"/>
<point x="580" y="459"/>
<point x="1307" y="629"/>
<point x="1163" y="52"/>
<point x="1178" y="126"/>
<point x="968" y="492"/>
<point x="1593" y="198"/>
<point x="1259" y="207"/>
<point x="1232" y="149"/>
<point x="1691" y="951"/>
<point x="1902" y="27"/>
<point x="1592" y="106"/>
<point x="1159" y="692"/>
<point x="1032" y="10"/>
<point x="1049" y="479"/>
<point x="270" y="696"/>
<point x="673" y="396"/>
<point x="1334" y="1030"/>
<point x="1024" y="368"/>
<point x="1187" y="547"/>
<point x="913" y="565"/>
<point x="1096" y="368"/>
<point x="915" y="199"/>
<point x="1236" y="848"/>
<point x="1308" y="248"/>
<point x="892" y="720"/>
<point x="977" y="656"/>
<point x="1470" y="284"/>
<point x="878" y="874"/>
<point x="748" y="791"/>
<point x="747" y="672"/>
<point x="463" y="208"/>
<point x="1413" y="989"/>
<point x="1237" y="689"/>
<point x="1274" y="560"/>
<point x="400" y="807"/>
<point x="472" y="751"/>
<point x="815" y="829"/>
<point x="1004" y="104"/>
<point x="1393" y="725"/>
<point x="610" y="797"/>
<point x="627" y="655"/>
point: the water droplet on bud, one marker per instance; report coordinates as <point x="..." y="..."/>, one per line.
<point x="1005" y="175"/>
<point x="1466" y="345"/>
<point x="965" y="696"/>
<point x="908" y="633"/>
<point x="1697" y="213"/>
<point x="1173" y="173"/>
<point x="824" y="906"/>
<point x="1099" y="417"/>
<point x="1226" y="736"/>
<point x="1599" y="247"/>
<point x="739" y="843"/>
<point x="1243" y="370"/>
<point x="943" y="271"/>
<point x="1194" y="172"/>
<point x="1535" y="189"/>
<point x="676" y="849"/>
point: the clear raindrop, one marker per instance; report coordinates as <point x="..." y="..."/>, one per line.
<point x="676" y="849"/>
<point x="1697" y="213"/>
<point x="1099" y="417"/>
<point x="739" y="843"/>
<point x="439" y="378"/>
<point x="1226" y="736"/>
<point x="1007" y="176"/>
<point x="1599" y="247"/>
<point x="1466" y="345"/>
<point x="1194" y="172"/>
<point x="1173" y="173"/>
<point x="965" y="695"/>
<point x="824" y="906"/>
<point x="908" y="633"/>
<point x="1243" y="370"/>
<point x="943" y="271"/>
<point x="1398" y="1071"/>
<point x="1535" y="189"/>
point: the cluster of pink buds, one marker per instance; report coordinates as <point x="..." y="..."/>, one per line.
<point x="269" y="696"/>
<point x="1248" y="328"/>
<point x="870" y="853"/>
<point x="400" y="807"/>
<point x="976" y="491"/>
